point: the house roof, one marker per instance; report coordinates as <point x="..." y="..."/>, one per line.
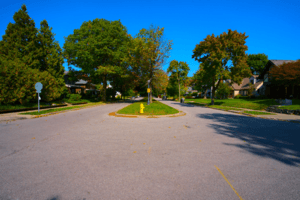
<point x="81" y="82"/>
<point x="245" y="84"/>
<point x="272" y="63"/>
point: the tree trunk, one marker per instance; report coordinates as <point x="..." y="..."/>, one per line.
<point x="205" y="93"/>
<point x="214" y="91"/>
<point x="150" y="91"/>
<point x="178" y="90"/>
<point x="104" y="89"/>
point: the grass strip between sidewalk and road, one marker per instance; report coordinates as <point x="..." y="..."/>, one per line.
<point x="257" y="113"/>
<point x="155" y="108"/>
<point x="60" y="109"/>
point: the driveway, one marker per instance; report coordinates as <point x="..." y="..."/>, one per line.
<point x="206" y="154"/>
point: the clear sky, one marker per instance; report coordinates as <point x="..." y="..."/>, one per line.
<point x="273" y="27"/>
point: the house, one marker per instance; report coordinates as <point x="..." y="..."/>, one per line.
<point x="270" y="90"/>
<point x="79" y="87"/>
<point x="243" y="88"/>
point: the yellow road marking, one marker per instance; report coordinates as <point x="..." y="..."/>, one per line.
<point x="228" y="183"/>
<point x="149" y="151"/>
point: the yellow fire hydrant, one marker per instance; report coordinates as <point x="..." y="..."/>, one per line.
<point x="142" y="108"/>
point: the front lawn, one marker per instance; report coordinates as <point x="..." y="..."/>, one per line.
<point x="29" y="105"/>
<point x="254" y="104"/>
<point x="223" y="107"/>
<point x="60" y="109"/>
<point x="155" y="108"/>
<point x="258" y="113"/>
<point x="295" y="106"/>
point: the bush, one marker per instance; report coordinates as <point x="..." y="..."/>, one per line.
<point x="74" y="97"/>
<point x="194" y="94"/>
<point x="189" y="97"/>
<point x="238" y="96"/>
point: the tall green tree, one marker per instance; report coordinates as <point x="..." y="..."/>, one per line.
<point x="20" y="40"/>
<point x="223" y="57"/>
<point x="99" y="48"/>
<point x="149" y="54"/>
<point x="202" y="82"/>
<point x="179" y="72"/>
<point x="160" y="82"/>
<point x="30" y="55"/>
<point x="50" y="54"/>
<point x="257" y="62"/>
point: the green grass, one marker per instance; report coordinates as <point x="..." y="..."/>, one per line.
<point x="29" y="105"/>
<point x="291" y="107"/>
<point x="48" y="111"/>
<point x="223" y="107"/>
<point x="60" y="109"/>
<point x="254" y="104"/>
<point x="155" y="108"/>
<point x="258" y="113"/>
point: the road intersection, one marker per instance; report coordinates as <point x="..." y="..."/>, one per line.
<point x="206" y="154"/>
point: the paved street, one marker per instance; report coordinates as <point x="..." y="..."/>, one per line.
<point x="206" y="154"/>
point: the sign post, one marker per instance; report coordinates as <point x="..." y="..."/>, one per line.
<point x="38" y="87"/>
<point x="148" y="91"/>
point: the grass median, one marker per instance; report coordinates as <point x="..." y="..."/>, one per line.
<point x="155" y="108"/>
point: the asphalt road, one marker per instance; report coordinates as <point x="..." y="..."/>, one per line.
<point x="206" y="154"/>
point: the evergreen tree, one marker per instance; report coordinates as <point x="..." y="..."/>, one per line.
<point x="20" y="40"/>
<point x="29" y="56"/>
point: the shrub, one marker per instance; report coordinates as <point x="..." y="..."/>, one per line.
<point x="74" y="97"/>
<point x="189" y="97"/>
<point x="194" y="94"/>
<point x="238" y="96"/>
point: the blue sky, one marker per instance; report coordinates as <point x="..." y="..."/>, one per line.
<point x="273" y="27"/>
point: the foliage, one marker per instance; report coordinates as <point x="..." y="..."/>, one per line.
<point x="160" y="82"/>
<point x="179" y="71"/>
<point x="130" y="93"/>
<point x="148" y="53"/>
<point x="29" y="55"/>
<point x="223" y="91"/>
<point x="286" y="74"/>
<point x="100" y="49"/>
<point x="222" y="57"/>
<point x="75" y="97"/>
<point x="257" y="62"/>
<point x="194" y="94"/>
<point x="19" y="83"/>
<point x="238" y="96"/>
<point x="251" y="90"/>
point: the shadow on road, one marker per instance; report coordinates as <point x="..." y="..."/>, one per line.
<point x="266" y="138"/>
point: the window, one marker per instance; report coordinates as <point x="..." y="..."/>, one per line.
<point x="266" y="78"/>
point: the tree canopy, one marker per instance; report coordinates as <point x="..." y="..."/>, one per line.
<point x="286" y="74"/>
<point x="223" y="57"/>
<point x="99" y="48"/>
<point x="29" y="55"/>
<point x="179" y="72"/>
<point x="257" y="62"/>
<point x="149" y="54"/>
